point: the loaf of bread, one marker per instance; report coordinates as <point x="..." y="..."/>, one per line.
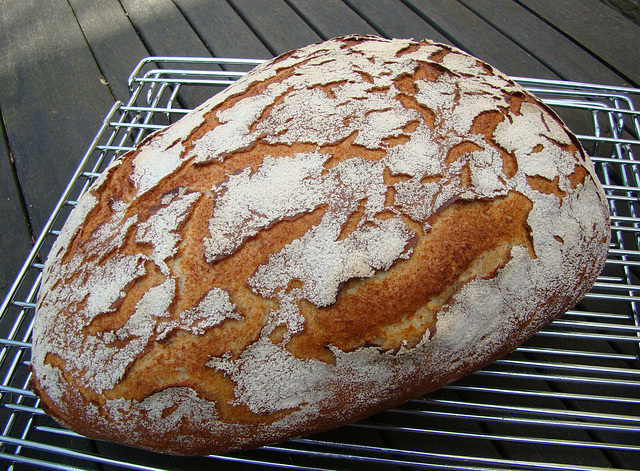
<point x="348" y="226"/>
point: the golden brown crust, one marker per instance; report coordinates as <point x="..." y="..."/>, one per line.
<point x="350" y="225"/>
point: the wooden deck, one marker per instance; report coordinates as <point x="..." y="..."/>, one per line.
<point x="64" y="62"/>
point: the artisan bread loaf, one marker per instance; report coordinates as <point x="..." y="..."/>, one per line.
<point x="348" y="226"/>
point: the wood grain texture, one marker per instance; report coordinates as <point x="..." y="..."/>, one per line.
<point x="560" y="54"/>
<point x="14" y="229"/>
<point x="393" y="19"/>
<point x="110" y="34"/>
<point x="166" y="32"/>
<point x="164" y="29"/>
<point x="599" y="29"/>
<point x="276" y="24"/>
<point x="334" y="19"/>
<point x="51" y="95"/>
<point x="223" y="31"/>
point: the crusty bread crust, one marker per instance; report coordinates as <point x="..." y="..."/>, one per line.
<point x="350" y="225"/>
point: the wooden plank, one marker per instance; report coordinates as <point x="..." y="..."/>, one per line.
<point x="113" y="40"/>
<point x="477" y="37"/>
<point x="166" y="32"/>
<point x="599" y="29"/>
<point x="334" y="19"/>
<point x="276" y="24"/>
<point x="393" y="19"/>
<point x="567" y="59"/>
<point x="14" y="231"/>
<point x="223" y="30"/>
<point x="163" y="28"/>
<point x="51" y="96"/>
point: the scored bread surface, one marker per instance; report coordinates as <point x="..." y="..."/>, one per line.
<point x="348" y="226"/>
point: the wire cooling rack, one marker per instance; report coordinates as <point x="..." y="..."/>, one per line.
<point x="568" y="399"/>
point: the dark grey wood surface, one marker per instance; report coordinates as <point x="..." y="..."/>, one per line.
<point x="64" y="62"/>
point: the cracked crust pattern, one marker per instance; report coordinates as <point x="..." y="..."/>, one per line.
<point x="348" y="226"/>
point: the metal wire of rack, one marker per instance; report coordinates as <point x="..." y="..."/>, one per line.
<point x="568" y="399"/>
